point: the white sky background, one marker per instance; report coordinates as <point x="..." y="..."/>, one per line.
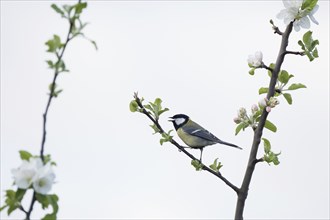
<point x="192" y="55"/>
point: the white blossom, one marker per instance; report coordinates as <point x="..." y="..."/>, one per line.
<point x="255" y="60"/>
<point x="44" y="179"/>
<point x="33" y="172"/>
<point x="293" y="12"/>
<point x="25" y="174"/>
<point x="263" y="102"/>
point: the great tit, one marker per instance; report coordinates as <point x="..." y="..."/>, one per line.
<point x="194" y="135"/>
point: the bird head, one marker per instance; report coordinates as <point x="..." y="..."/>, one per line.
<point x="179" y="120"/>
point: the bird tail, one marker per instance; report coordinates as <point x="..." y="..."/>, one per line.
<point x="229" y="144"/>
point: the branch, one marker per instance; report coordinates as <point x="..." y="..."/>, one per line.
<point x="28" y="213"/>
<point x="258" y="132"/>
<point x="45" y="114"/>
<point x="301" y="53"/>
<point x="182" y="148"/>
<point x="265" y="67"/>
<point x="51" y="94"/>
<point x="276" y="29"/>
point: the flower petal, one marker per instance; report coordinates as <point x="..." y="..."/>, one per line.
<point x="304" y="22"/>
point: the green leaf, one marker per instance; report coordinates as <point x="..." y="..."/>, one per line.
<point x="57" y="9"/>
<point x="198" y="166"/>
<point x="288" y="98"/>
<point x="11" y="201"/>
<point x="308" y="5"/>
<point x="263" y="90"/>
<point x="163" y="110"/>
<point x="284" y="76"/>
<point x="155" y="128"/>
<point x="80" y="6"/>
<point x="309" y="55"/>
<point x="314" y="43"/>
<point x="133" y="106"/>
<point x="315" y="53"/>
<point x="166" y="137"/>
<point x="267" y="145"/>
<point x="216" y="165"/>
<point x="276" y="161"/>
<point x="251" y="72"/>
<point x="47" y="158"/>
<point x="272" y="66"/>
<point x="20" y="194"/>
<point x="50" y="64"/>
<point x="68" y="8"/>
<point x="302" y="45"/>
<point x="94" y="43"/>
<point x="54" y="44"/>
<point x="295" y="86"/>
<point x="240" y="126"/>
<point x="270" y="126"/>
<point x="25" y="155"/>
<point x="46" y="200"/>
<point x="307" y="39"/>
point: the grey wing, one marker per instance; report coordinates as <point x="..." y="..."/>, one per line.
<point x="201" y="133"/>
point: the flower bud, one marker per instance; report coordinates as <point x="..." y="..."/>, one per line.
<point x="254" y="108"/>
<point x="242" y="112"/>
<point x="263" y="102"/>
<point x="255" y="60"/>
<point x="273" y="102"/>
<point x="237" y="120"/>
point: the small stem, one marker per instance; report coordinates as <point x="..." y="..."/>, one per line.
<point x="266" y="67"/>
<point x="28" y="213"/>
<point x="301" y="53"/>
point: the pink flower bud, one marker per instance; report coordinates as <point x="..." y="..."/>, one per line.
<point x="237" y="120"/>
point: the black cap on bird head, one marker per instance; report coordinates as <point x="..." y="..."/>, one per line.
<point x="179" y="120"/>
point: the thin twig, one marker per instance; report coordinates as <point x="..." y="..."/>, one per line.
<point x="45" y="114"/>
<point x="301" y="53"/>
<point x="182" y="148"/>
<point x="51" y="94"/>
<point x="28" y="213"/>
<point x="265" y="67"/>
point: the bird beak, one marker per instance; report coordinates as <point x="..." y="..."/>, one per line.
<point x="171" y="119"/>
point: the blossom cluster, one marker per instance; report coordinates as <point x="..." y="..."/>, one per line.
<point x="269" y="104"/>
<point x="34" y="173"/>
<point x="294" y="11"/>
<point x="242" y="116"/>
<point x="255" y="60"/>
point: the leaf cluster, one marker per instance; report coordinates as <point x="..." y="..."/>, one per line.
<point x="197" y="164"/>
<point x="45" y="201"/>
<point x="253" y="120"/>
<point x="216" y="166"/>
<point x="13" y="200"/>
<point x="57" y="46"/>
<point x="270" y="156"/>
<point x="308" y="45"/>
<point x="155" y="109"/>
<point x="281" y="85"/>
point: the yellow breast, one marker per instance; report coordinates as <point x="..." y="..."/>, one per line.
<point x="192" y="141"/>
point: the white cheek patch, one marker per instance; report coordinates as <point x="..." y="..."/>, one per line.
<point x="179" y="121"/>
